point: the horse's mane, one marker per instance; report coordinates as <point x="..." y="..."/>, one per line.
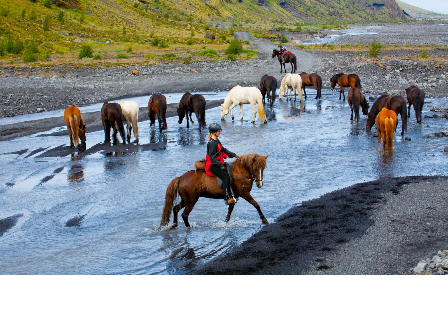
<point x="248" y="161"/>
<point x="335" y="78"/>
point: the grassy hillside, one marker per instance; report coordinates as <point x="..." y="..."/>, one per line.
<point x="151" y="31"/>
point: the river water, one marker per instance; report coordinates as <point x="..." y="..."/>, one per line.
<point x="98" y="213"/>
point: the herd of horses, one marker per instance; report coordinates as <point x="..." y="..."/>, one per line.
<point x="246" y="168"/>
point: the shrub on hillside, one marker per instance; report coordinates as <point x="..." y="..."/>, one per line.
<point x="208" y="52"/>
<point x="85" y="52"/>
<point x="235" y="48"/>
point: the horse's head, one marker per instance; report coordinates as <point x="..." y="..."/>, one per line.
<point x="365" y="106"/>
<point x="255" y="165"/>
<point x="181" y="114"/>
<point x="82" y="132"/>
<point x="275" y="52"/>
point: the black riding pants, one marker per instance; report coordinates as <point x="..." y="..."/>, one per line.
<point x="224" y="176"/>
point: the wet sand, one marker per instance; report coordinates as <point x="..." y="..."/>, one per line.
<point x="347" y="232"/>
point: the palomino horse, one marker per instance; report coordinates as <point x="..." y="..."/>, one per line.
<point x="351" y="80"/>
<point x="112" y="116"/>
<point x="130" y="112"/>
<point x="196" y="183"/>
<point x="192" y="103"/>
<point x="239" y="95"/>
<point x="157" y="105"/>
<point x="394" y="103"/>
<point x="416" y="97"/>
<point x="287" y="58"/>
<point x="313" y="80"/>
<point x="355" y="99"/>
<point x="386" y="123"/>
<point x="75" y="126"/>
<point x="291" y="82"/>
<point x="268" y="85"/>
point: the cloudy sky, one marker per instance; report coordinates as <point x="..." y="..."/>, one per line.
<point x="439" y="6"/>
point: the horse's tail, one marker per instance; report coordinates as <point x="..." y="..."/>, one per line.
<point x="299" y="87"/>
<point x="162" y="112"/>
<point x="404" y="118"/>
<point x="418" y="107"/>
<point x="202" y="114"/>
<point x="390" y="130"/>
<point x="355" y="103"/>
<point x="319" y="87"/>
<point x="273" y="91"/>
<point x="171" y="193"/>
<point x="261" y="111"/>
<point x="74" y="127"/>
<point x="294" y="61"/>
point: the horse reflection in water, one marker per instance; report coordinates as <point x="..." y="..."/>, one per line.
<point x="158" y="138"/>
<point x="76" y="174"/>
<point x="188" y="137"/>
<point x="195" y="184"/>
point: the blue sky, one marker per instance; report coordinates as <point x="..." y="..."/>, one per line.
<point x="439" y="6"/>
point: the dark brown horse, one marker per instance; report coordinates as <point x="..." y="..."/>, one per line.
<point x="268" y="85"/>
<point x="394" y="103"/>
<point x="192" y="103"/>
<point x="351" y="80"/>
<point x="355" y="99"/>
<point x="416" y="97"/>
<point x="112" y="116"/>
<point x="195" y="184"/>
<point x="157" y="106"/>
<point x="287" y="58"/>
<point x="313" y="80"/>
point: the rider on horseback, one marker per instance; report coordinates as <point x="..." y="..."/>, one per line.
<point x="282" y="52"/>
<point x="215" y="164"/>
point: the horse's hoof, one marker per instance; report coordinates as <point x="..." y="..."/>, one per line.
<point x="265" y="221"/>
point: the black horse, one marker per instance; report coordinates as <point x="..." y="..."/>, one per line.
<point x="192" y="103"/>
<point x="268" y="85"/>
<point x="287" y="58"/>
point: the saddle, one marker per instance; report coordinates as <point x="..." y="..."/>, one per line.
<point x="200" y="165"/>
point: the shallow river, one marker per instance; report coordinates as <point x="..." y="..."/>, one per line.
<point x="98" y="213"/>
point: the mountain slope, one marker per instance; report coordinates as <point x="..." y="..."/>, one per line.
<point x="44" y="27"/>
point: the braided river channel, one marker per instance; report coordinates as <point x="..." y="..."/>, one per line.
<point x="98" y="212"/>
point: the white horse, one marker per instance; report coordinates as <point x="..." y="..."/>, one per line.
<point x="130" y="113"/>
<point x="291" y="82"/>
<point x="244" y="95"/>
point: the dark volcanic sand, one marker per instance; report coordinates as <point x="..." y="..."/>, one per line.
<point x="327" y="235"/>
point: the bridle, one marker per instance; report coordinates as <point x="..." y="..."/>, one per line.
<point x="254" y="177"/>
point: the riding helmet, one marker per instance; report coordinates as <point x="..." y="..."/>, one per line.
<point x="212" y="128"/>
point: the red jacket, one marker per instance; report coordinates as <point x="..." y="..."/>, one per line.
<point x="208" y="162"/>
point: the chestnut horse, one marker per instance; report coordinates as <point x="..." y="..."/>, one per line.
<point x="394" y="103"/>
<point x="268" y="85"/>
<point x="288" y="58"/>
<point x="351" y="80"/>
<point x="75" y="126"/>
<point x="196" y="183"/>
<point x="355" y="99"/>
<point x="112" y="116"/>
<point x="192" y="103"/>
<point x="386" y="123"/>
<point x="313" y="80"/>
<point x="157" y="105"/>
<point x="416" y="97"/>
